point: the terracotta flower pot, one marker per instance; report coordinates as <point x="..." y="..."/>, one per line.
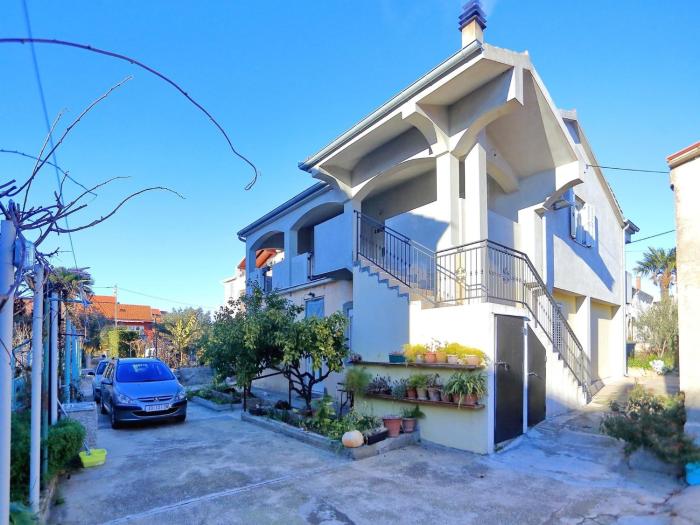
<point x="411" y="393"/>
<point x="453" y="359"/>
<point x="408" y="424"/>
<point x="440" y="357"/>
<point x="393" y="425"/>
<point x="422" y="393"/>
<point x="472" y="360"/>
<point x="470" y="400"/>
<point x="420" y="358"/>
<point x="434" y="394"/>
<point x="445" y="397"/>
<point x="430" y="358"/>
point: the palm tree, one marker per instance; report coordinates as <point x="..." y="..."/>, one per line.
<point x="660" y="264"/>
<point x="71" y="283"/>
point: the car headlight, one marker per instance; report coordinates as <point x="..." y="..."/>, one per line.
<point x="122" y="399"/>
<point x="181" y="394"/>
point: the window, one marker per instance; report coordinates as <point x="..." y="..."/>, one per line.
<point x="315" y="307"/>
<point x="143" y="371"/>
<point x="581" y="220"/>
<point x="101" y="367"/>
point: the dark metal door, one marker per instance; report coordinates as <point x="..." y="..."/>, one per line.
<point x="509" y="377"/>
<point x="536" y="380"/>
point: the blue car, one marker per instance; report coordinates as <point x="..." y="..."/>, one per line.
<point x="141" y="389"/>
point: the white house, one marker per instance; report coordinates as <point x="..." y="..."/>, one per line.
<point x="467" y="208"/>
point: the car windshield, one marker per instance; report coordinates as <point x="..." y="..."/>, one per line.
<point x="101" y="368"/>
<point x="143" y="371"/>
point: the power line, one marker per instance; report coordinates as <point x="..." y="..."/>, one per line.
<point x="46" y="119"/>
<point x="156" y="297"/>
<point x="652" y="236"/>
<point x="626" y="169"/>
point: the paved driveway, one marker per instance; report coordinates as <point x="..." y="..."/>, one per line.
<point x="217" y="469"/>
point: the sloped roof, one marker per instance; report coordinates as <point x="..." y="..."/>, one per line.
<point x="105" y="304"/>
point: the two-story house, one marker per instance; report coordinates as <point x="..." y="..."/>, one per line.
<point x="467" y="208"/>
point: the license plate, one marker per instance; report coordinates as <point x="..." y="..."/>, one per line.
<point x="156" y="408"/>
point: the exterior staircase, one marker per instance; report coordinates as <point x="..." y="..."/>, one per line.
<point x="483" y="271"/>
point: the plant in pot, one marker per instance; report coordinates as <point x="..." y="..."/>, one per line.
<point x="399" y="388"/>
<point x="414" y="353"/>
<point x="379" y="385"/>
<point x="393" y="424"/>
<point x="357" y="379"/>
<point x="434" y="387"/>
<point x="420" y="383"/>
<point x="409" y="418"/>
<point x="411" y="392"/>
<point x="397" y="357"/>
<point x="466" y="387"/>
<point x="440" y="354"/>
<point x="473" y="357"/>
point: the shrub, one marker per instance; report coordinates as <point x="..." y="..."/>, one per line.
<point x="652" y="422"/>
<point x="418" y="380"/>
<point x="411" y="351"/>
<point x="643" y="360"/>
<point x="21" y="514"/>
<point x="64" y="442"/>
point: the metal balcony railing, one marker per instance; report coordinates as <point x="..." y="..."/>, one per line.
<point x="476" y="272"/>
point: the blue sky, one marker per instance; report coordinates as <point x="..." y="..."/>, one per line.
<point x="284" y="79"/>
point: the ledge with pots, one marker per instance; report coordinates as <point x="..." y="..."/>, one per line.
<point x="448" y="366"/>
<point x="448" y="404"/>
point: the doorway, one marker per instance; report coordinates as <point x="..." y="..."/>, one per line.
<point x="509" y="370"/>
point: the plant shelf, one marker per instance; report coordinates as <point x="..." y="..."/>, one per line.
<point x="446" y="404"/>
<point x="448" y="366"/>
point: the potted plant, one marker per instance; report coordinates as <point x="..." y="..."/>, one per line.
<point x="430" y="357"/>
<point x="414" y="353"/>
<point x="355" y="358"/>
<point x="357" y="379"/>
<point x="420" y="383"/>
<point x="375" y="435"/>
<point x="441" y="355"/>
<point x="473" y="357"/>
<point x="411" y="392"/>
<point x="466" y="387"/>
<point x="434" y="387"/>
<point x="379" y="385"/>
<point x="399" y="388"/>
<point x="409" y="418"/>
<point x="454" y="351"/>
<point x="397" y="357"/>
<point x="393" y="424"/>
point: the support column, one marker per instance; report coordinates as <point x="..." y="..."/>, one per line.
<point x="7" y="242"/>
<point x="583" y="330"/>
<point x="291" y="238"/>
<point x="66" y="361"/>
<point x="447" y="167"/>
<point x="37" y="365"/>
<point x="475" y="215"/>
<point x="249" y="267"/>
<point x="351" y="209"/>
<point x="53" y="375"/>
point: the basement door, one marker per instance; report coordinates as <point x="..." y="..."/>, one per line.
<point x="536" y="380"/>
<point x="509" y="368"/>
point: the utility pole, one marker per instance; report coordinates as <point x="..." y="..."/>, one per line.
<point x="115" y="306"/>
<point x="8" y="234"/>
<point x="37" y="366"/>
<point x="53" y="394"/>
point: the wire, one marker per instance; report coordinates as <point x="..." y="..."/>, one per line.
<point x="652" y="236"/>
<point x="157" y="297"/>
<point x="626" y="169"/>
<point x="137" y="63"/>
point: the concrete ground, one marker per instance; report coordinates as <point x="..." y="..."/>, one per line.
<point x="215" y="468"/>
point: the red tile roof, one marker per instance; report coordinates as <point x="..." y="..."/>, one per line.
<point x="261" y="257"/>
<point x="125" y="312"/>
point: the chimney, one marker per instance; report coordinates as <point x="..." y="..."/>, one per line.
<point x="638" y="282"/>
<point x="472" y="23"/>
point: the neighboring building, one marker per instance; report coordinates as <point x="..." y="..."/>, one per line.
<point x="468" y="208"/>
<point x="235" y="286"/>
<point x="639" y="302"/>
<point x="685" y="182"/>
<point x="140" y="318"/>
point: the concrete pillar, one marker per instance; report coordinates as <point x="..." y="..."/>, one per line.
<point x="475" y="214"/>
<point x="685" y="181"/>
<point x="447" y="167"/>
<point x="249" y="266"/>
<point x="583" y="329"/>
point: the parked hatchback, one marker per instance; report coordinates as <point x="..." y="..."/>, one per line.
<point x="97" y="380"/>
<point x="141" y="389"/>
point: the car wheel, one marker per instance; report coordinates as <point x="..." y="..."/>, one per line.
<point x="113" y="418"/>
<point x="181" y="419"/>
<point x="103" y="410"/>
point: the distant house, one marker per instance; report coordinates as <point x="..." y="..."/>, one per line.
<point x="138" y="317"/>
<point x="639" y="303"/>
<point x="235" y="286"/>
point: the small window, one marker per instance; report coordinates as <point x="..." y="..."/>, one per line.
<point x="315" y="307"/>
<point x="581" y="220"/>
